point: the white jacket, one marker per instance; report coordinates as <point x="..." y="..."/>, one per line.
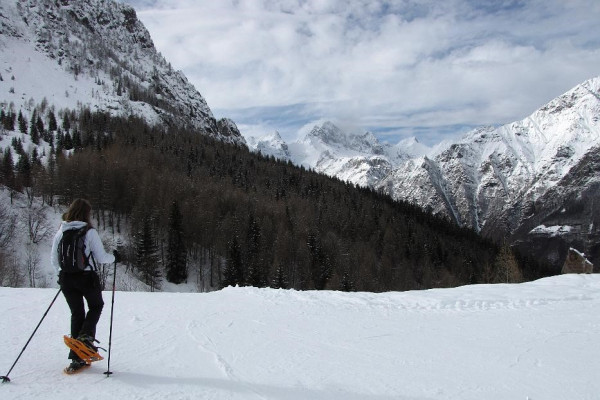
<point x="93" y="245"/>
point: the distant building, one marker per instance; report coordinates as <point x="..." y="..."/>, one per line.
<point x="576" y="263"/>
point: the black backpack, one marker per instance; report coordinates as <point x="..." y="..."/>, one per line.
<point x="71" y="251"/>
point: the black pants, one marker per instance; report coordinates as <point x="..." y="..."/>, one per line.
<point x="76" y="287"/>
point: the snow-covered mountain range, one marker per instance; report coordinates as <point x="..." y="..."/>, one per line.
<point x="523" y="179"/>
<point x="95" y="54"/>
<point x="535" y="180"/>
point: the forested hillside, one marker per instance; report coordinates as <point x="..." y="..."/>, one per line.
<point x="188" y="201"/>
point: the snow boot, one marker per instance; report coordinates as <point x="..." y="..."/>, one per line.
<point x="88" y="341"/>
<point x="75" y="366"/>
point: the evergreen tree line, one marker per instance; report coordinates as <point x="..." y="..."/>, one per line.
<point x="249" y="219"/>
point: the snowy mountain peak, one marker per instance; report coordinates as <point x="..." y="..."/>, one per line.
<point x="411" y="141"/>
<point x="365" y="143"/>
<point x="328" y="137"/>
<point x="94" y="54"/>
<point x="327" y="133"/>
<point x="586" y="92"/>
<point x="270" y="145"/>
<point x="411" y="148"/>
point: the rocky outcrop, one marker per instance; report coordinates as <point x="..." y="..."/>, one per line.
<point x="110" y="58"/>
<point x="576" y="263"/>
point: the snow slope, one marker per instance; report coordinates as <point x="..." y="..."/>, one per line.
<point x="94" y="54"/>
<point x="535" y="341"/>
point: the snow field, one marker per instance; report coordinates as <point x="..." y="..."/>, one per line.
<point x="533" y="341"/>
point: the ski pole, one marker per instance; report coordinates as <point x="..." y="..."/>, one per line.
<point x="5" y="378"/>
<point x="112" y="307"/>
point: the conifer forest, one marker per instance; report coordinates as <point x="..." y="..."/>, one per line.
<point x="187" y="201"/>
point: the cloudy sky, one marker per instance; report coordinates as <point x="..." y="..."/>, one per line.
<point x="400" y="68"/>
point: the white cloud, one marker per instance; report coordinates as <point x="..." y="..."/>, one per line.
<point x="388" y="65"/>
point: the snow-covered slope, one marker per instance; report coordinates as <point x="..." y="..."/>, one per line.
<point x="492" y="170"/>
<point x="535" y="340"/>
<point x="96" y="54"/>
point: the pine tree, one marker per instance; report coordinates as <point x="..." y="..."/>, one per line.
<point x="321" y="266"/>
<point x="49" y="184"/>
<point x="347" y="284"/>
<point x="35" y="157"/>
<point x="22" y="123"/>
<point x="8" y="120"/>
<point x="66" y="124"/>
<point x="17" y="144"/>
<point x="7" y="174"/>
<point x="59" y="142"/>
<point x="77" y="139"/>
<point x="176" y="251"/>
<point x="233" y="272"/>
<point x="52" y="124"/>
<point x="12" y="117"/>
<point x="39" y="124"/>
<point x="49" y="138"/>
<point x="147" y="259"/>
<point x="34" y="132"/>
<point x="23" y="168"/>
<point x="255" y="269"/>
<point x="281" y="280"/>
<point x="67" y="141"/>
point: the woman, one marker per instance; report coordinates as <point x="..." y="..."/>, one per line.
<point x="77" y="284"/>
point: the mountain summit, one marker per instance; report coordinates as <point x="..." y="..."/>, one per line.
<point x="94" y="54"/>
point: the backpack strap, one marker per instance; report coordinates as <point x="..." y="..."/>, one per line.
<point x="92" y="264"/>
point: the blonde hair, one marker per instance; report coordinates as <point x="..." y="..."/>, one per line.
<point x="79" y="210"/>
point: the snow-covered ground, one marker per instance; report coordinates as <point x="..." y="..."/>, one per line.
<point x="536" y="341"/>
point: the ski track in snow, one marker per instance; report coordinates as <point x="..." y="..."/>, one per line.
<point x="220" y="362"/>
<point x="536" y="340"/>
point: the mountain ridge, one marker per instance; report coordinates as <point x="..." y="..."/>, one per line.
<point x="489" y="179"/>
<point x="95" y="54"/>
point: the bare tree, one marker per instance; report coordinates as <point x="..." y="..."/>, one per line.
<point x="4" y="269"/>
<point x="38" y="226"/>
<point x="7" y="226"/>
<point x="506" y="266"/>
<point x="32" y="264"/>
<point x="10" y="271"/>
<point x="103" y="273"/>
